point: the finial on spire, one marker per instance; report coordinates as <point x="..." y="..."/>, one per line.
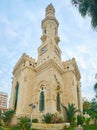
<point x="50" y="10"/>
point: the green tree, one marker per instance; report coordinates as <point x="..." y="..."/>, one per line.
<point x="24" y="123"/>
<point x="70" y="112"/>
<point x="92" y="110"/>
<point x="0" y="118"/>
<point x="80" y="120"/>
<point x="86" y="105"/>
<point x="7" y="116"/>
<point x="87" y="121"/>
<point x="95" y="89"/>
<point x="87" y="7"/>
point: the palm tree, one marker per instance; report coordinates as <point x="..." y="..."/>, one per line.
<point x="7" y="116"/>
<point x="87" y="7"/>
<point x="24" y="123"/>
<point x="95" y="89"/>
<point x="70" y="112"/>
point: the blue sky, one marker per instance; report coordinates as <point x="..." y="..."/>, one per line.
<point x="20" y="31"/>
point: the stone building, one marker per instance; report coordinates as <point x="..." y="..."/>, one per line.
<point x="3" y="101"/>
<point x="49" y="81"/>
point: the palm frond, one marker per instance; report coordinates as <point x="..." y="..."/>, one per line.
<point x="87" y="7"/>
<point x="95" y="87"/>
<point x="84" y="7"/>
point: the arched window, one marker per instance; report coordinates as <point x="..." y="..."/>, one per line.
<point x="16" y="95"/>
<point x="58" y="102"/>
<point x="41" y="101"/>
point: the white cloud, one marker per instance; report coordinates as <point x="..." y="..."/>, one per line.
<point x="4" y="19"/>
<point x="10" y="32"/>
<point x="1" y="72"/>
<point x="4" y="51"/>
<point x="83" y="48"/>
<point x="30" y="16"/>
<point x="82" y="62"/>
<point x="22" y="30"/>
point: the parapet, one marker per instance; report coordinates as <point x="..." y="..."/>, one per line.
<point x="24" y="61"/>
<point x="71" y="65"/>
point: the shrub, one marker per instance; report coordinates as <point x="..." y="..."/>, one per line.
<point x="0" y="123"/>
<point x="1" y="128"/>
<point x="48" y="118"/>
<point x="25" y="123"/>
<point x="87" y="121"/>
<point x="80" y="120"/>
<point x="56" y="119"/>
<point x="60" y="120"/>
<point x="74" y="122"/>
<point x="70" y="111"/>
<point x="52" y="118"/>
<point x="6" y="116"/>
<point x="35" y="120"/>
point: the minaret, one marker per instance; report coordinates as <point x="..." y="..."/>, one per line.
<point x="49" y="48"/>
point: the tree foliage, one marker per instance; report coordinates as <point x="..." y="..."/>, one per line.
<point x="50" y="118"/>
<point x="0" y="119"/>
<point x="95" y="89"/>
<point x="24" y="123"/>
<point x="6" y="116"/>
<point x="87" y="7"/>
<point x="86" y="105"/>
<point x="70" y="112"/>
<point x="92" y="109"/>
<point x="47" y="118"/>
<point x="80" y="120"/>
<point x="87" y="121"/>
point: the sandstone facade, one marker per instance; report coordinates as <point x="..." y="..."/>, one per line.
<point x="49" y="81"/>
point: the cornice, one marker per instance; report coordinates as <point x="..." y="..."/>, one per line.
<point x="49" y="64"/>
<point x="50" y="18"/>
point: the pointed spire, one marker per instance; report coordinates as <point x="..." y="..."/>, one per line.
<point x="50" y="24"/>
<point x="50" y="10"/>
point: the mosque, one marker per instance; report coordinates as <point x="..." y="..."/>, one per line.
<point x="41" y="86"/>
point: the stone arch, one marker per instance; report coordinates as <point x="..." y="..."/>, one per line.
<point x="58" y="97"/>
<point x="16" y="95"/>
<point x="59" y="87"/>
<point x="42" y="86"/>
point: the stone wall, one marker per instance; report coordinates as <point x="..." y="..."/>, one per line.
<point x="41" y="126"/>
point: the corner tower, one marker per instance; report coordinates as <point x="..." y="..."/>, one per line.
<point x="49" y="48"/>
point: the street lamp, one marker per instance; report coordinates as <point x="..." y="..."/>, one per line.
<point x="32" y="106"/>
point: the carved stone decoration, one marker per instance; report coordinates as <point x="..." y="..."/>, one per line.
<point x="43" y="38"/>
<point x="46" y="82"/>
<point x="57" y="40"/>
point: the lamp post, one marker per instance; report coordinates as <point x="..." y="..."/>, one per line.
<point x="32" y="106"/>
